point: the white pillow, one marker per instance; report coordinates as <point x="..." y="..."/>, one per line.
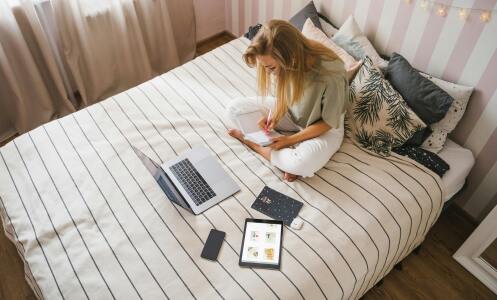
<point x="442" y="128"/>
<point x="311" y="32"/>
<point x="351" y="38"/>
<point x="328" y="29"/>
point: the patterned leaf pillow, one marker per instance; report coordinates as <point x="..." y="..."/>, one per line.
<point x="378" y="119"/>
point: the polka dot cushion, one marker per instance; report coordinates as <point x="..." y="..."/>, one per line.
<point x="446" y="125"/>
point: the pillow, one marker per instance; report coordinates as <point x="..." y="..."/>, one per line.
<point x="419" y="137"/>
<point x="351" y="38"/>
<point x="426" y="99"/>
<point x="309" y="11"/>
<point x="312" y="32"/>
<point x="426" y="158"/>
<point x="461" y="95"/>
<point x="328" y="29"/>
<point x="378" y="118"/>
<point x="252" y="31"/>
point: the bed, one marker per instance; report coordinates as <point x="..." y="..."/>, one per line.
<point x="460" y="160"/>
<point x="90" y="222"/>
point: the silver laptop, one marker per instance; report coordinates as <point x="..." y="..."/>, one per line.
<point x="194" y="180"/>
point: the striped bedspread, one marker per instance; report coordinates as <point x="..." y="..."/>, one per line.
<point x="90" y="222"/>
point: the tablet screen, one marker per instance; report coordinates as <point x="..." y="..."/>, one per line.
<point x="261" y="245"/>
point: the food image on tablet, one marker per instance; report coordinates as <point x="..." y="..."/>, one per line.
<point x="255" y="236"/>
<point x="270" y="237"/>
<point x="269" y="253"/>
<point x="253" y="252"/>
<point x="261" y="244"/>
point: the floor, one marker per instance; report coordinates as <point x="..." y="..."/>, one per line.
<point x="430" y="274"/>
<point x="433" y="273"/>
<point x="213" y="42"/>
<point x="490" y="254"/>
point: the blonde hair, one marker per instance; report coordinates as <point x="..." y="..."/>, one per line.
<point x="291" y="49"/>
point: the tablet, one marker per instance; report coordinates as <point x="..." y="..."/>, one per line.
<point x="261" y="244"/>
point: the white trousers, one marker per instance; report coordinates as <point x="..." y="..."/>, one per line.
<point x="303" y="159"/>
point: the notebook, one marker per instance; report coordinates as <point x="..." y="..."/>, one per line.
<point x="247" y="123"/>
<point x="277" y="205"/>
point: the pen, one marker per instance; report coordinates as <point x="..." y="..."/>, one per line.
<point x="268" y="120"/>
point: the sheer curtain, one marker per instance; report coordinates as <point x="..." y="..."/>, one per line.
<point x="31" y="86"/>
<point x="111" y="45"/>
<point x="94" y="47"/>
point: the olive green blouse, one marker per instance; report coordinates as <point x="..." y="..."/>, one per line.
<point x="325" y="95"/>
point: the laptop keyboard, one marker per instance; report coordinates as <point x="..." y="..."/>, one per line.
<point x="191" y="180"/>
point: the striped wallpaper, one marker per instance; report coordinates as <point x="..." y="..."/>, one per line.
<point x="461" y="52"/>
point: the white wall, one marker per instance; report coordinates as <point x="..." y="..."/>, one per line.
<point x="210" y="17"/>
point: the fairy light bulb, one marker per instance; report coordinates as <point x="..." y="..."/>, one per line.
<point x="424" y="4"/>
<point x="463" y="14"/>
<point x="442" y="11"/>
<point x="485" y="16"/>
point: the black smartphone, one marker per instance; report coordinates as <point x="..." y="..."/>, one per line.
<point x="213" y="244"/>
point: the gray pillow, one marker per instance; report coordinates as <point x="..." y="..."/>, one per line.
<point x="309" y="11"/>
<point x="425" y="98"/>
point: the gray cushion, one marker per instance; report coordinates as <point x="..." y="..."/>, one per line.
<point x="425" y="98"/>
<point x="309" y="11"/>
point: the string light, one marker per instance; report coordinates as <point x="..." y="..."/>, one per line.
<point x="464" y="12"/>
<point x="485" y="16"/>
<point x="442" y="11"/>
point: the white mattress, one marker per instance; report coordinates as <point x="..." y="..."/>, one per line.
<point x="461" y="161"/>
<point x="91" y="222"/>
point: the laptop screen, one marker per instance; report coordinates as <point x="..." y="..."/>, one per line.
<point x="171" y="192"/>
<point x="161" y="177"/>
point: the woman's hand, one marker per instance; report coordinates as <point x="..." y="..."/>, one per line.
<point x="263" y="124"/>
<point x="281" y="142"/>
<point x="310" y="132"/>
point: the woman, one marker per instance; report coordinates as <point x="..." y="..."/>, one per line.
<point x="310" y="97"/>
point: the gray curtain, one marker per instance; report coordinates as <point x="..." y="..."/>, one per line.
<point x="95" y="47"/>
<point x="111" y="45"/>
<point x="31" y="88"/>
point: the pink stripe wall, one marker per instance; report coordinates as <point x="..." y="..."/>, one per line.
<point x="269" y="8"/>
<point x="484" y="162"/>
<point x="485" y="88"/>
<point x="229" y="15"/>
<point x="373" y="19"/>
<point x="348" y="9"/>
<point x="241" y="15"/>
<point x="465" y="44"/>
<point x="255" y="12"/>
<point x="401" y="23"/>
<point x="429" y="41"/>
<point x="468" y="37"/>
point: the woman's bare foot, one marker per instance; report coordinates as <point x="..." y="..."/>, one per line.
<point x="290" y="177"/>
<point x="237" y="134"/>
<point x="264" y="151"/>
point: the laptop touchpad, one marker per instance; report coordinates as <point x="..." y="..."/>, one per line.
<point x="210" y="169"/>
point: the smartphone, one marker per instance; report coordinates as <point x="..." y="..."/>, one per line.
<point x="213" y="244"/>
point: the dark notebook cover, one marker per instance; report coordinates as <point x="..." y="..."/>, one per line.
<point x="277" y="205"/>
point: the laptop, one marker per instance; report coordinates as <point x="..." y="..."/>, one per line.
<point x="194" y="180"/>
